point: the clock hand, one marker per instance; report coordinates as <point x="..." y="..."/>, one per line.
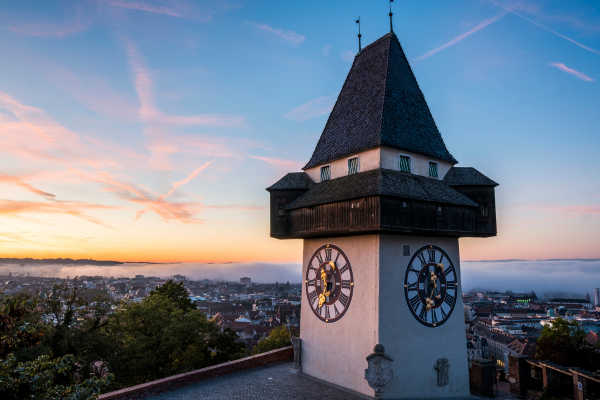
<point x="332" y="264"/>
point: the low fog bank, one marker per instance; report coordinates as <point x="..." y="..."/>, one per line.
<point x="259" y="272"/>
<point x="570" y="276"/>
<point x="575" y="277"/>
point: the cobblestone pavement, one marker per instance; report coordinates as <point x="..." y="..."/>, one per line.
<point x="270" y="382"/>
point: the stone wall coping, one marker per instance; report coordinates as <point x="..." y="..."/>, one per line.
<point x="172" y="382"/>
<point x="566" y="370"/>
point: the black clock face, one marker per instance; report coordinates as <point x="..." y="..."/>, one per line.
<point x="430" y="286"/>
<point x="329" y="283"/>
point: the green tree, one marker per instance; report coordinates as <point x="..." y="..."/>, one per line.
<point x="75" y="327"/>
<point x="159" y="339"/>
<point x="279" y="337"/>
<point x="177" y="293"/>
<point x="564" y="343"/>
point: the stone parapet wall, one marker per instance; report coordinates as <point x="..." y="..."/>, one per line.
<point x="481" y="377"/>
<point x="176" y="381"/>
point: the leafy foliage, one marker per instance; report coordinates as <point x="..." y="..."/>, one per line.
<point x="564" y="343"/>
<point x="19" y="330"/>
<point x="176" y="292"/>
<point x="36" y="379"/>
<point x="279" y="337"/>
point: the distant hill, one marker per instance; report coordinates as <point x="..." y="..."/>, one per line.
<point x="65" y="261"/>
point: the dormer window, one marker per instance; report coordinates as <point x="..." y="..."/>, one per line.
<point x="405" y="164"/>
<point x="325" y="173"/>
<point x="433" y="169"/>
<point x="352" y="165"/>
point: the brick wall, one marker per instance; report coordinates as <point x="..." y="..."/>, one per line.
<point x="176" y="381"/>
<point x="481" y="377"/>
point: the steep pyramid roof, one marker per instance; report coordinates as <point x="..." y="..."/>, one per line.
<point x="380" y="105"/>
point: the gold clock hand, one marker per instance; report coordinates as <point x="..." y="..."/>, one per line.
<point x="332" y="264"/>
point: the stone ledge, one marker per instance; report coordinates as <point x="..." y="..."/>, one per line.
<point x="176" y="381"/>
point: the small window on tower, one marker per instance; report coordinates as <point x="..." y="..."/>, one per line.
<point x="406" y="250"/>
<point x="405" y="165"/>
<point x="433" y="169"/>
<point x="325" y="174"/>
<point x="484" y="211"/>
<point x="352" y="165"/>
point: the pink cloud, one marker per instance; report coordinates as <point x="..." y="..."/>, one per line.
<point x="314" y="108"/>
<point x="571" y="71"/>
<point x="236" y="207"/>
<point x="18" y="182"/>
<point x="282" y="166"/>
<point x="186" y="180"/>
<point x="15" y="208"/>
<point x="81" y="20"/>
<point x="457" y="39"/>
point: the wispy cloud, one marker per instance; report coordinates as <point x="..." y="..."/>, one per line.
<point x="348" y="55"/>
<point x="314" y="108"/>
<point x="186" y="180"/>
<point x="457" y="39"/>
<point x="548" y="29"/>
<point x="571" y="71"/>
<point x="200" y="11"/>
<point x="283" y="33"/>
<point x="18" y="182"/>
<point x="236" y="207"/>
<point x="79" y="21"/>
<point x="326" y="50"/>
<point x="74" y="208"/>
<point x="282" y="166"/>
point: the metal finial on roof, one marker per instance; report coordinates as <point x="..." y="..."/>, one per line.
<point x="391" y="27"/>
<point x="359" y="35"/>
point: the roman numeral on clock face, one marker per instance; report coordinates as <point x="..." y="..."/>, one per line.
<point x="336" y="310"/>
<point x="319" y="257"/>
<point x="411" y="286"/>
<point x="327" y="254"/>
<point x="412" y="269"/>
<point x="421" y="257"/>
<point x="343" y="299"/>
<point x="431" y="255"/>
<point x="414" y="302"/>
<point x="346" y="284"/>
<point x="312" y="296"/>
<point x="327" y="312"/>
<point x="336" y="258"/>
<point x="311" y="283"/>
<point x="451" y="285"/>
<point x="441" y="258"/>
<point x="344" y="269"/>
<point x="423" y="313"/>
<point x="443" y="313"/>
<point x="449" y="270"/>
<point x="434" y="319"/>
<point x="449" y="299"/>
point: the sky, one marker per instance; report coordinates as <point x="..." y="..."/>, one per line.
<point x="139" y="130"/>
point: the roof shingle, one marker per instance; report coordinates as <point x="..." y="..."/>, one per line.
<point x="385" y="182"/>
<point x="380" y="104"/>
<point x="467" y="176"/>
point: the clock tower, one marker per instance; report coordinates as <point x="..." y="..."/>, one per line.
<point x="380" y="207"/>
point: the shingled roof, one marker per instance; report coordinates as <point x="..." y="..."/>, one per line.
<point x="293" y="180"/>
<point x="385" y="182"/>
<point x="467" y="176"/>
<point x="380" y="105"/>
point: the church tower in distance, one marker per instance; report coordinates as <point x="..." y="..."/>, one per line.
<point x="380" y="207"/>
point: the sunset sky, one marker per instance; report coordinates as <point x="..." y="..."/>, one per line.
<point x="148" y="130"/>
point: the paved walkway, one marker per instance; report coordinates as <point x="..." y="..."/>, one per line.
<point x="276" y="381"/>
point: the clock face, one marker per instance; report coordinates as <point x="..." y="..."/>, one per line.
<point x="329" y="283"/>
<point x="430" y="286"/>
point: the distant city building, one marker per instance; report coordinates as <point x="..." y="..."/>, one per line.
<point x="567" y="302"/>
<point x="245" y="281"/>
<point x="597" y="297"/>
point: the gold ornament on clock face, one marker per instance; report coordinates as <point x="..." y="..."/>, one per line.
<point x="329" y="283"/>
<point x="430" y="286"/>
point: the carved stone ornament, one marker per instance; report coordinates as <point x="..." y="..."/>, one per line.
<point x="297" y="345"/>
<point x="379" y="373"/>
<point x="442" y="367"/>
